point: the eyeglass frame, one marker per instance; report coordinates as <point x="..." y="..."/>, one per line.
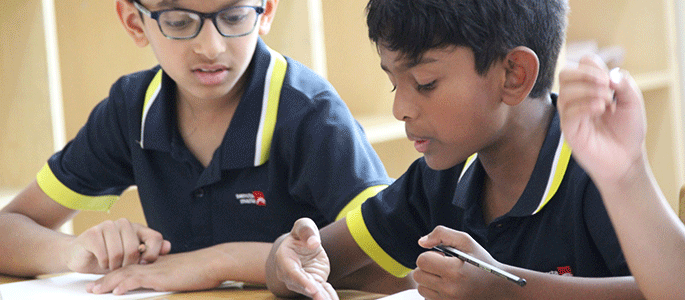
<point x="203" y="16"/>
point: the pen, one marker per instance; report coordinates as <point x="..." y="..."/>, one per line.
<point x="450" y="251"/>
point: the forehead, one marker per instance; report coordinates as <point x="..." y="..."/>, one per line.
<point x="454" y="56"/>
<point x="198" y="5"/>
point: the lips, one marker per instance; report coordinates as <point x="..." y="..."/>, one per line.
<point x="420" y="144"/>
<point x="211" y="75"/>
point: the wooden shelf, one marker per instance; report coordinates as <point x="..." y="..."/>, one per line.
<point x="381" y="129"/>
<point x="654" y="80"/>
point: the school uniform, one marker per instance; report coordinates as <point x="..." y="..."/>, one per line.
<point x="559" y="224"/>
<point x="292" y="150"/>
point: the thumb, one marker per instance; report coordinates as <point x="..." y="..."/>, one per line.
<point x="625" y="88"/>
<point x="445" y="236"/>
<point x="305" y="230"/>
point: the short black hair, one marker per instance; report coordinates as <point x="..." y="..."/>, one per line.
<point x="490" y="28"/>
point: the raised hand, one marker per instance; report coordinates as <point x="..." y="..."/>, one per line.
<point x="602" y="118"/>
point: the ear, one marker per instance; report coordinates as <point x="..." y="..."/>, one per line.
<point x="131" y="19"/>
<point x="522" y="66"/>
<point x="268" y="16"/>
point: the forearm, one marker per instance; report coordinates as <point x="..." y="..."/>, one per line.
<point x="28" y="249"/>
<point x="238" y="261"/>
<point x="638" y="209"/>
<point x="548" y="286"/>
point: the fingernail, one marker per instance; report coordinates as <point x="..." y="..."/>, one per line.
<point x="423" y="239"/>
<point x="96" y="288"/>
<point x="615" y="75"/>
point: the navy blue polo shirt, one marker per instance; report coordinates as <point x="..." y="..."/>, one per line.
<point x="292" y="150"/>
<point x="559" y="224"/>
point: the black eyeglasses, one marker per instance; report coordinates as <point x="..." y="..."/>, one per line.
<point x="184" y="24"/>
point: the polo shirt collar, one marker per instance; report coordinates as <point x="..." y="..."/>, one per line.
<point x="247" y="142"/>
<point x="548" y="173"/>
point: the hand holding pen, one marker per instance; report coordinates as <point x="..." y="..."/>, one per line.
<point x="453" y="275"/>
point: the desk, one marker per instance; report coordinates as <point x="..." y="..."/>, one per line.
<point x="247" y="293"/>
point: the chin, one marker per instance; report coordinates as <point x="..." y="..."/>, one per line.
<point x="439" y="164"/>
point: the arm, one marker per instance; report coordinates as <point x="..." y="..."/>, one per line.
<point x="197" y="270"/>
<point x="608" y="140"/>
<point x="28" y="229"/>
<point x="441" y="276"/>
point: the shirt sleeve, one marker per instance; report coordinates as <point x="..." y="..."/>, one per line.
<point x="94" y="168"/>
<point x="333" y="165"/>
<point x="388" y="226"/>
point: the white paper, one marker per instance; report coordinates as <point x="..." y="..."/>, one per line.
<point x="412" y="294"/>
<point x="71" y="286"/>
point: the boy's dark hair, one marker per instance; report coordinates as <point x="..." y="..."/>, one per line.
<point x="490" y="28"/>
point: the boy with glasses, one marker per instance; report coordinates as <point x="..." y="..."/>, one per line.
<point x="227" y="141"/>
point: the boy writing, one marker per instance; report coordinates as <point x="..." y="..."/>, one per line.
<point x="227" y="141"/>
<point x="607" y="132"/>
<point x="470" y="77"/>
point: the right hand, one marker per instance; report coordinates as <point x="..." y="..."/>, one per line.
<point x="302" y="264"/>
<point x="111" y="245"/>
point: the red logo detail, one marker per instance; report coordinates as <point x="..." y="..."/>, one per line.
<point x="564" y="270"/>
<point x="259" y="198"/>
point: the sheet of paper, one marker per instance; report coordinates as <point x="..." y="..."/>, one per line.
<point x="71" y="286"/>
<point x="412" y="294"/>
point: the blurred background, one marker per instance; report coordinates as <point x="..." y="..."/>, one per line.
<point x="58" y="59"/>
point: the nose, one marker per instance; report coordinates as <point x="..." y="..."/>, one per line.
<point x="209" y="42"/>
<point x="403" y="107"/>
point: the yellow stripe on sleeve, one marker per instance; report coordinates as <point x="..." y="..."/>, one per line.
<point x="361" y="235"/>
<point x="68" y="198"/>
<point x="361" y="197"/>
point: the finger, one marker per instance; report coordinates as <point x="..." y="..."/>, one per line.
<point x="130" y="242"/>
<point x="94" y="243"/>
<point x="440" y="265"/>
<point x="428" y="293"/>
<point x="626" y="90"/>
<point x="297" y="279"/>
<point x="154" y="243"/>
<point x="446" y="236"/>
<point x="113" y="244"/>
<point x="330" y="291"/>
<point x="305" y="230"/>
<point x="593" y="60"/>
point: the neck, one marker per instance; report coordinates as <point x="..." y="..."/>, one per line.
<point x="509" y="162"/>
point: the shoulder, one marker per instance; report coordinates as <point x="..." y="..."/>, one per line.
<point x="132" y="87"/>
<point x="304" y="87"/>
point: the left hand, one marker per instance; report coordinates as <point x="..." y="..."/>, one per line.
<point x="444" y="277"/>
<point x="172" y="272"/>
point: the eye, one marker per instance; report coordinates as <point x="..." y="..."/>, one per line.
<point x="426" y="87"/>
<point x="234" y="16"/>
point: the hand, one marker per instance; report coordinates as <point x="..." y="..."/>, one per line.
<point x="175" y="272"/>
<point x="607" y="136"/>
<point x="445" y="277"/>
<point x="111" y="245"/>
<point x="302" y="264"/>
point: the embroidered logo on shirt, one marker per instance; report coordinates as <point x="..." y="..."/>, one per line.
<point x="256" y="198"/>
<point x="563" y="271"/>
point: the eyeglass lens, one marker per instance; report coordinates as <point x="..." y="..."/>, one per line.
<point x="234" y="21"/>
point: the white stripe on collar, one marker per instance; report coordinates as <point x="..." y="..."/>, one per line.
<point x="275" y="75"/>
